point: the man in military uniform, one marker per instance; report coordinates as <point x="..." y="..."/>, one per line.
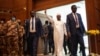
<point x="2" y="37"/>
<point x="20" y="34"/>
<point x="12" y="37"/>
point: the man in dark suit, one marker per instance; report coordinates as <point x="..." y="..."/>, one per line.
<point x="45" y="37"/>
<point x="64" y="45"/>
<point x="77" y="31"/>
<point x="50" y="38"/>
<point x="33" y="32"/>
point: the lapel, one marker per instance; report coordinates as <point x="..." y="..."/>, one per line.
<point x="72" y="18"/>
<point x="29" y="21"/>
<point x="35" y="21"/>
<point x="78" y="18"/>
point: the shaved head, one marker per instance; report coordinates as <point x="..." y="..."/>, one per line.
<point x="58" y="17"/>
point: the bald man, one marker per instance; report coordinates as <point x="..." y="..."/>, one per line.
<point x="59" y="31"/>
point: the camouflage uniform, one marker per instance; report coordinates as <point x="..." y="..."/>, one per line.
<point x="2" y="39"/>
<point x="21" y="32"/>
<point x="12" y="38"/>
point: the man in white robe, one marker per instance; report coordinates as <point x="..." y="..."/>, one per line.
<point x="59" y="31"/>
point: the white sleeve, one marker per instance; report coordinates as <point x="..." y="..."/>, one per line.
<point x="50" y="19"/>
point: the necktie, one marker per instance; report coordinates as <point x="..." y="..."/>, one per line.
<point x="76" y="19"/>
<point x="32" y="24"/>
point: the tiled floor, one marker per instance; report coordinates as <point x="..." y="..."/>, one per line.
<point x="53" y="55"/>
<point x="79" y="54"/>
<point x="49" y="55"/>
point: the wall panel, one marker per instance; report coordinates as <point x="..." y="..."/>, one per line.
<point x="40" y="5"/>
<point x="6" y="4"/>
<point x="93" y="19"/>
<point x="19" y="8"/>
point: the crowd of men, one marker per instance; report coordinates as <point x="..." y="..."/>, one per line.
<point x="11" y="37"/>
<point x="19" y="40"/>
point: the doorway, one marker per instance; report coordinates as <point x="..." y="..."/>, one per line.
<point x="66" y="9"/>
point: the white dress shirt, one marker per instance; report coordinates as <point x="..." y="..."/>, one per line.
<point x="34" y="28"/>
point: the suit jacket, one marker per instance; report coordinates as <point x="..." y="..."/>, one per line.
<point x="72" y="25"/>
<point x="38" y="26"/>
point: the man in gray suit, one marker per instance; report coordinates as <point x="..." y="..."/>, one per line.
<point x="77" y="30"/>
